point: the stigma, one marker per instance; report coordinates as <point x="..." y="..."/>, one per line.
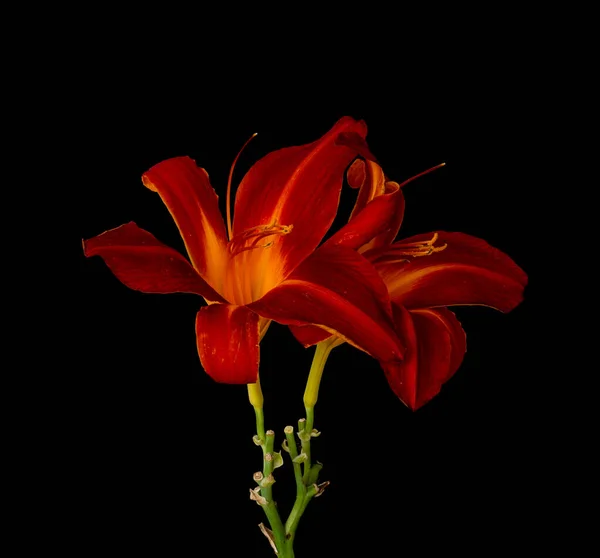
<point x="257" y="237"/>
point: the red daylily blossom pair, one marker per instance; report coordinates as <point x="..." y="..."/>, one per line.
<point x="382" y="298"/>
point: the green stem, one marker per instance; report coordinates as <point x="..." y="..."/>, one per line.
<point x="304" y="434"/>
<point x="305" y="487"/>
<point x="276" y="525"/>
<point x="300" y="488"/>
<point x="294" y="517"/>
<point x="260" y="423"/>
<point x="295" y="514"/>
<point x="270" y="508"/>
<point x="268" y="467"/>
<point x="311" y="394"/>
<point x="267" y="491"/>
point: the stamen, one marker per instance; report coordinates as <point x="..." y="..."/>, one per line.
<point x="228" y="198"/>
<point x="421" y="244"/>
<point x="249" y="239"/>
<point x="413" y="250"/>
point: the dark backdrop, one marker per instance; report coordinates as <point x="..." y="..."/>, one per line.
<point x="165" y="454"/>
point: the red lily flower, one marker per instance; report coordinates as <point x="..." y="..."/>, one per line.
<point x="423" y="275"/>
<point x="264" y="267"/>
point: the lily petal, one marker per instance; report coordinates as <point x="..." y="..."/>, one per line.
<point x="374" y="221"/>
<point x="309" y="335"/>
<point x="186" y="191"/>
<point x="369" y="178"/>
<point x="436" y="345"/>
<point x="467" y="271"/>
<point x="337" y="289"/>
<point x="228" y="338"/>
<point x="378" y="212"/>
<point x="355" y="141"/>
<point x="297" y="187"/>
<point x="143" y="263"/>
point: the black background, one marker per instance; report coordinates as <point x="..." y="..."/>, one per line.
<point x="165" y="454"/>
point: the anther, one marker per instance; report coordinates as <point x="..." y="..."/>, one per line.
<point x="413" y="250"/>
<point x="250" y="238"/>
<point x="416" y="249"/>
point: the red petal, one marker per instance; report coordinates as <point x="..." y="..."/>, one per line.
<point x="356" y="174"/>
<point x="337" y="289"/>
<point x="193" y="204"/>
<point x="435" y="349"/>
<point x="297" y="186"/>
<point x="391" y="213"/>
<point x="356" y="142"/>
<point x="227" y="337"/>
<point x="143" y="263"/>
<point x="468" y="271"/>
<point x="309" y="335"/>
<point x="372" y="223"/>
<point x="370" y="180"/>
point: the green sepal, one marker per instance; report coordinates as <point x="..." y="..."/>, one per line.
<point x="304" y="436"/>
<point x="277" y="459"/>
<point x="301" y="458"/>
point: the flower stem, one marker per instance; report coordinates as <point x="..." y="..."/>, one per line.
<point x="306" y="487"/>
<point x="311" y="393"/>
<point x="266" y="491"/>
<point x="260" y="424"/>
<point x="265" y="481"/>
<point x="282" y="536"/>
<point x="289" y="435"/>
